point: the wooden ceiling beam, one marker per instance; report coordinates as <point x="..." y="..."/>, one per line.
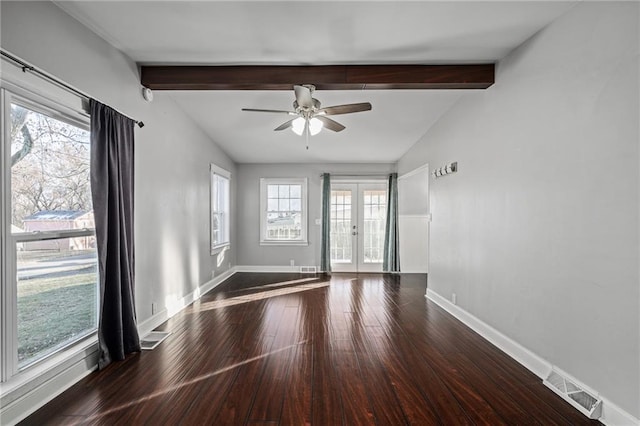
<point x="324" y="77"/>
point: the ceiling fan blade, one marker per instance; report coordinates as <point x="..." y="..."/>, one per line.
<point x="303" y="96"/>
<point x="269" y="110"/>
<point x="345" y="109"/>
<point x="330" y="124"/>
<point x="285" y="125"/>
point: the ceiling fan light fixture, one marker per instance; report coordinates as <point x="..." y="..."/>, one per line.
<point x="315" y="126"/>
<point x="311" y="117"/>
<point x="297" y="126"/>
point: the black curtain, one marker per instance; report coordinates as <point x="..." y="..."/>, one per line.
<point x="391" y="256"/>
<point x="112" y="193"/>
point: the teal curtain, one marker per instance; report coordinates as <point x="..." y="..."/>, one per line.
<point x="325" y="249"/>
<point x="391" y="260"/>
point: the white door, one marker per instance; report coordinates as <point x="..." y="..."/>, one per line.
<point x="413" y="220"/>
<point x="358" y="218"/>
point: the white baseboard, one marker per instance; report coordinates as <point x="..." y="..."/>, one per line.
<point x="539" y="366"/>
<point x="265" y="268"/>
<point x="86" y="361"/>
<point x="169" y="311"/>
<point x="81" y="365"/>
<point x="612" y="415"/>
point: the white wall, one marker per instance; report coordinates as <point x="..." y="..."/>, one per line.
<point x="413" y="220"/>
<point x="538" y="231"/>
<point x="171" y="159"/>
<point x="250" y="252"/>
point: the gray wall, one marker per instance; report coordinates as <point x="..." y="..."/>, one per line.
<point x="172" y="154"/>
<point x="250" y="252"/>
<point x="538" y="231"/>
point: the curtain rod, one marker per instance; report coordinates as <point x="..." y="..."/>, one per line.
<point x="28" y="67"/>
<point x="381" y="175"/>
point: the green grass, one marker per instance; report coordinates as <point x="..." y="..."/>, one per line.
<point x="54" y="310"/>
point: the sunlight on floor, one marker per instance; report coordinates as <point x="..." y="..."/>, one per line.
<point x="280" y="284"/>
<point x="189" y="382"/>
<point x="217" y="304"/>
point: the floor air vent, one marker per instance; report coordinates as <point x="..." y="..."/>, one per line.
<point x="575" y="394"/>
<point x="153" y="339"/>
<point x="308" y="269"/>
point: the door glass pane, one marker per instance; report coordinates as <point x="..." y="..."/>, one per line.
<point x="375" y="211"/>
<point x="341" y="249"/>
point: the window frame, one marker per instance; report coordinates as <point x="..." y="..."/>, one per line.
<point x="304" y="207"/>
<point x="11" y="373"/>
<point x="214" y="171"/>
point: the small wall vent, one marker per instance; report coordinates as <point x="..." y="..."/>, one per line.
<point x="575" y="394"/>
<point x="308" y="270"/>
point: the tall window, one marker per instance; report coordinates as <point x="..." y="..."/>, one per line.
<point x="283" y="211"/>
<point x="220" y="208"/>
<point x="50" y="251"/>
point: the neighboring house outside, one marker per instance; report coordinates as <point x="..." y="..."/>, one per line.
<point x="16" y="230"/>
<point x="58" y="220"/>
<point x="284" y="227"/>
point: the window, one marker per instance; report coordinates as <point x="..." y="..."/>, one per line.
<point x="283" y="211"/>
<point x="220" y="210"/>
<point x="49" y="253"/>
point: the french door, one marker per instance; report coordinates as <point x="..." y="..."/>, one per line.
<point x="358" y="218"/>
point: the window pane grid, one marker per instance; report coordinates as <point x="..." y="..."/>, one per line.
<point x="375" y="211"/>
<point x="341" y="241"/>
<point x="284" y="212"/>
<point x="219" y="211"/>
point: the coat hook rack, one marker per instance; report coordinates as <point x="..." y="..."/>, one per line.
<point x="445" y="170"/>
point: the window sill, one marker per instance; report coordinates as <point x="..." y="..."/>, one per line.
<point x="284" y="243"/>
<point x="220" y="248"/>
<point x="32" y="377"/>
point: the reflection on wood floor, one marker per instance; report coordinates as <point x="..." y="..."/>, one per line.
<point x="286" y="349"/>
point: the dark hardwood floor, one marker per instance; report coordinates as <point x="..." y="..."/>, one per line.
<point x="350" y="349"/>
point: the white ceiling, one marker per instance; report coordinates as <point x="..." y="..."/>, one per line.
<point x="315" y="33"/>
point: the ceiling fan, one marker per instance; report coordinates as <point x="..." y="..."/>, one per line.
<point x="311" y="117"/>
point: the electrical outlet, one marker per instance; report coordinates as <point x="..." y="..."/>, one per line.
<point x="154" y="308"/>
<point x="292" y="262"/>
<point x="213" y="274"/>
<point x="454" y="299"/>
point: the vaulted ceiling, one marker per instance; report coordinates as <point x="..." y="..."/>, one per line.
<point x="315" y="33"/>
